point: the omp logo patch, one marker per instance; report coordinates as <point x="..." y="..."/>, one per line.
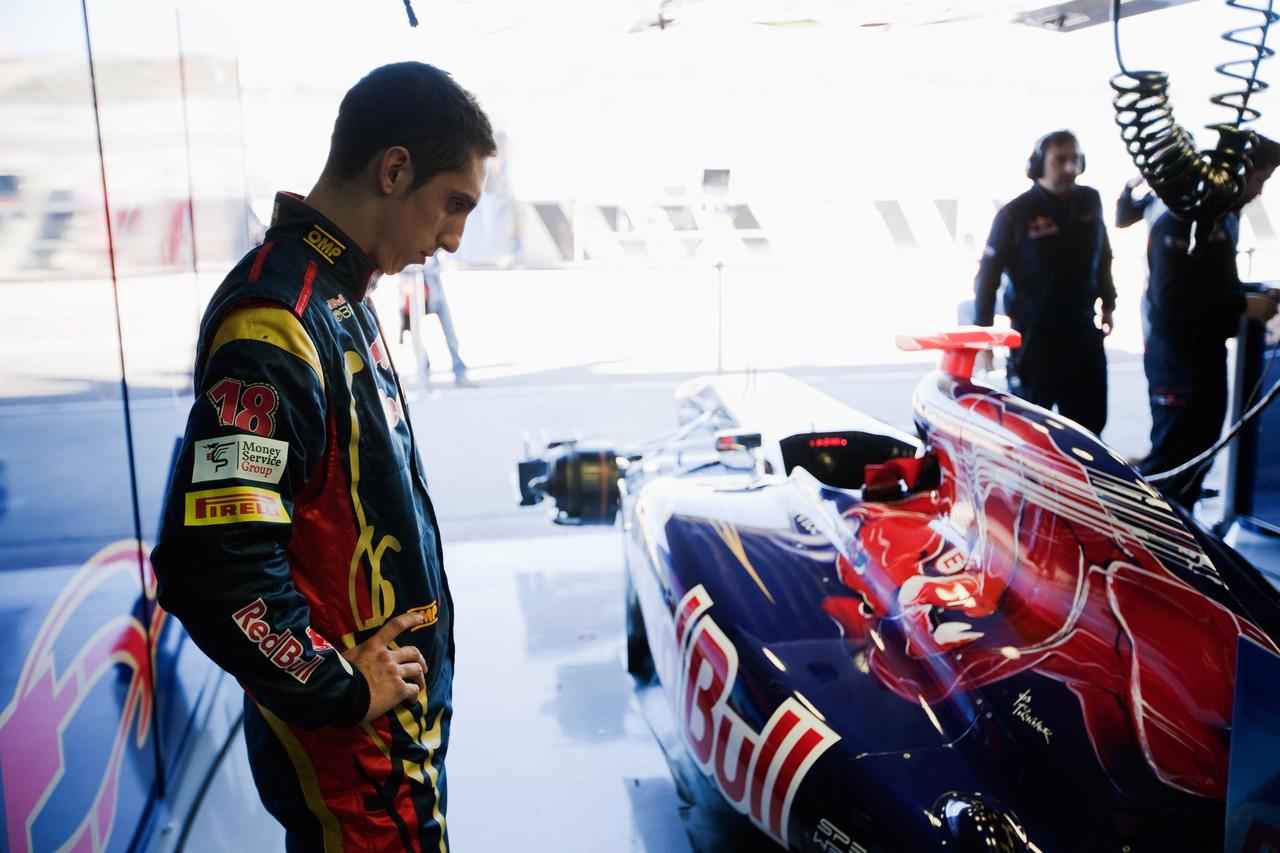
<point x="325" y="243"/>
<point x="430" y="613"/>
<point x="228" y="506"/>
<point x="240" y="457"/>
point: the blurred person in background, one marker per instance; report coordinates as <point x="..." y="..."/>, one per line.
<point x="1143" y="208"/>
<point x="434" y="302"/>
<point x="1194" y="304"/>
<point x="1052" y="243"/>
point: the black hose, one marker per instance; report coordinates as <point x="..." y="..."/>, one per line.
<point x="1196" y="185"/>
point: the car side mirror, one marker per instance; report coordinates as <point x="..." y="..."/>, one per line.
<point x="738" y="450"/>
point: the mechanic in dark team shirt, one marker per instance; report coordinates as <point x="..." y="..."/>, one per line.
<point x="1052" y="243"/>
<point x="299" y="546"/>
<point x="1194" y="303"/>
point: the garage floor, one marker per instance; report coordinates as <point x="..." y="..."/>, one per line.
<point x="550" y="748"/>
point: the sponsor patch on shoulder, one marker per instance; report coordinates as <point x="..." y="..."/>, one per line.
<point x="240" y="457"/>
<point x="329" y="247"/>
<point x="229" y="506"/>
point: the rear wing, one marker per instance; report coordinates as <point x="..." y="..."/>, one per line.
<point x="960" y="347"/>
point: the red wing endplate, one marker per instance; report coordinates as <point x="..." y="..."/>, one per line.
<point x="961" y="346"/>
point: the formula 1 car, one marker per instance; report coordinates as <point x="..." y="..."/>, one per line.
<point x="990" y="636"/>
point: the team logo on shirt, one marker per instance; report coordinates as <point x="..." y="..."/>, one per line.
<point x="1041" y="226"/>
<point x="243" y="457"/>
<point x="329" y="246"/>
<point x="281" y="649"/>
<point x="338" y="305"/>
<point x="228" y="506"/>
<point x="318" y="642"/>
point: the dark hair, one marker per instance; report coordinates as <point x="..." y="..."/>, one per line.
<point x="1058" y="137"/>
<point x="414" y="105"/>
<point x="1266" y="154"/>
<point x="1035" y="162"/>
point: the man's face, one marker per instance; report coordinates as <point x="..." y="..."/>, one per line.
<point x="1253" y="183"/>
<point x="1061" y="166"/>
<point x="421" y="221"/>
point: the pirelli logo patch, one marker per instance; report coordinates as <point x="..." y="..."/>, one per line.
<point x="229" y="506"/>
<point x="329" y="247"/>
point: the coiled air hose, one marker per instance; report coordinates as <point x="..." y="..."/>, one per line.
<point x="1198" y="185"/>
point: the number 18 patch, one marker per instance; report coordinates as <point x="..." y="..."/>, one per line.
<point x="247" y="406"/>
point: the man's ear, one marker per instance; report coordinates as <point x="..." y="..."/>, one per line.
<point x="394" y="170"/>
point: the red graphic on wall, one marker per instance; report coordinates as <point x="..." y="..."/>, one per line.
<point x="50" y="693"/>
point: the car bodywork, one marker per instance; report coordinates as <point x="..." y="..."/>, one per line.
<point x="116" y="732"/>
<point x="992" y="635"/>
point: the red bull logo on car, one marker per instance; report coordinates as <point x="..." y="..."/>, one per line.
<point x="52" y="690"/>
<point x="758" y="772"/>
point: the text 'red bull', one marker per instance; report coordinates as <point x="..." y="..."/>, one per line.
<point x="758" y="772"/>
<point x="281" y="649"/>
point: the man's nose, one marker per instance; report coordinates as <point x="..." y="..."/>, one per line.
<point x="451" y="238"/>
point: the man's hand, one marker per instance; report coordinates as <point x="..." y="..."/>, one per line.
<point x="394" y="675"/>
<point x="1108" y="322"/>
<point x="1259" y="306"/>
<point x="1134" y="182"/>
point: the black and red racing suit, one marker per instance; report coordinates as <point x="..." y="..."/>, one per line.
<point x="297" y="523"/>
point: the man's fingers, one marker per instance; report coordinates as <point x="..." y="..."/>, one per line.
<point x="409" y="654"/>
<point x="396" y="627"/>
<point x="412" y="673"/>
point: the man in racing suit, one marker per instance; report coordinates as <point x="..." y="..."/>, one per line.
<point x="1052" y="241"/>
<point x="1194" y="303"/>
<point x="299" y="546"/>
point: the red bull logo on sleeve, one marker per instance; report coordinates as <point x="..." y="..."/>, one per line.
<point x="238" y="503"/>
<point x="50" y="693"/>
<point x="282" y="649"/>
<point x="758" y="772"/>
